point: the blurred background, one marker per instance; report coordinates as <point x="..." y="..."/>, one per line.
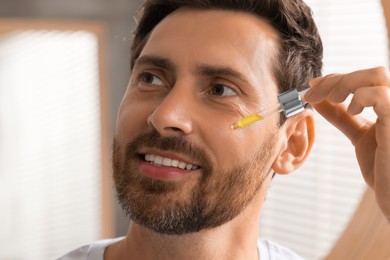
<point x="64" y="67"/>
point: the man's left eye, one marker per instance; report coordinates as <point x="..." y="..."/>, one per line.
<point x="222" y="90"/>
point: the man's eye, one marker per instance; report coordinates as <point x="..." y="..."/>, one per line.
<point x="222" y="90"/>
<point x="151" y="79"/>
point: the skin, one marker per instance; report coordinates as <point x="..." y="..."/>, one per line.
<point x="180" y="102"/>
<point x="370" y="88"/>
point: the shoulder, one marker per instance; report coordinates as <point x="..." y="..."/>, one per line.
<point x="269" y="250"/>
<point x="93" y="251"/>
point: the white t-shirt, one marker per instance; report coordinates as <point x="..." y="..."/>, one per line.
<point x="268" y="250"/>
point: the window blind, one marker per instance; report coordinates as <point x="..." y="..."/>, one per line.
<point x="309" y="209"/>
<point x="50" y="183"/>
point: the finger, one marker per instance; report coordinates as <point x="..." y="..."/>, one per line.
<point x="337" y="114"/>
<point x="325" y="88"/>
<point x="377" y="97"/>
<point x="337" y="87"/>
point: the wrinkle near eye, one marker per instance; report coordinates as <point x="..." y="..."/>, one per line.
<point x="242" y="110"/>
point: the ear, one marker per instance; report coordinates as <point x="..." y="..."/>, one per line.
<point x="297" y="138"/>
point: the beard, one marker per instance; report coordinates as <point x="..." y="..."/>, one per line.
<point x="209" y="200"/>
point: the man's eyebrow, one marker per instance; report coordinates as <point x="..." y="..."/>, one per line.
<point x="220" y="71"/>
<point x="157" y="61"/>
<point x="201" y="70"/>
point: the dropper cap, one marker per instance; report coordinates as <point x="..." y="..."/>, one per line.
<point x="292" y="102"/>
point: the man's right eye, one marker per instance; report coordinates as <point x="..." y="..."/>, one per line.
<point x="151" y="79"/>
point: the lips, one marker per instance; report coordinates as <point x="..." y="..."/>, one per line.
<point x="169" y="162"/>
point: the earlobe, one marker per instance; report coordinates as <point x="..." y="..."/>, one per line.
<point x="296" y="142"/>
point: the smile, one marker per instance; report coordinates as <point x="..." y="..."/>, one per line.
<point x="168" y="162"/>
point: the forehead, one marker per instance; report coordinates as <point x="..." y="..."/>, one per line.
<point x="216" y="36"/>
<point x="212" y="20"/>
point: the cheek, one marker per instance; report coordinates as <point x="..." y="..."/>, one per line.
<point x="230" y="147"/>
<point x="234" y="147"/>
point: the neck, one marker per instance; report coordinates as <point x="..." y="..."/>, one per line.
<point x="236" y="239"/>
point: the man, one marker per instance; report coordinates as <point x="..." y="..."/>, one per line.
<point x="192" y="186"/>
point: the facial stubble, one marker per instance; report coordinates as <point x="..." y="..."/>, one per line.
<point x="174" y="208"/>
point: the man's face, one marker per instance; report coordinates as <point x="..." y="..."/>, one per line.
<point x="178" y="165"/>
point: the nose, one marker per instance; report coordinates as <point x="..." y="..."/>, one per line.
<point x="173" y="116"/>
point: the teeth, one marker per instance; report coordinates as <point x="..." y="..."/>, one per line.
<point x="167" y="162"/>
<point x="158" y="159"/>
<point x="182" y="165"/>
<point x="175" y="163"/>
<point x="163" y="161"/>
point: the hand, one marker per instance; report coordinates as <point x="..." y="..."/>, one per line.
<point x="370" y="88"/>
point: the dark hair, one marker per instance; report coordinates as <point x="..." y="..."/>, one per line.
<point x="300" y="55"/>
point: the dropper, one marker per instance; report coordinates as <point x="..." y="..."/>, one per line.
<point x="290" y="103"/>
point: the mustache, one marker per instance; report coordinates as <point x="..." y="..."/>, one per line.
<point x="176" y="144"/>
